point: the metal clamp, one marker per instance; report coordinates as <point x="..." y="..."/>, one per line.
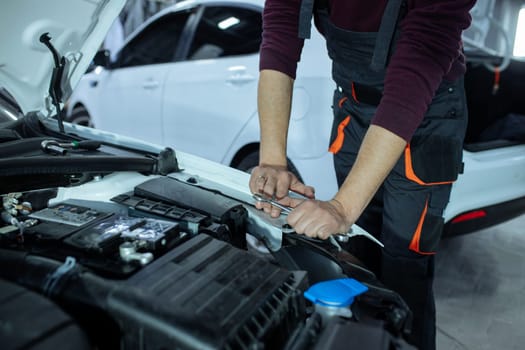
<point x="52" y="146"/>
<point x="60" y="148"/>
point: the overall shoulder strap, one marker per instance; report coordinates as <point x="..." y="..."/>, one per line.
<point x="305" y="18"/>
<point x="385" y="35"/>
<point x="305" y="15"/>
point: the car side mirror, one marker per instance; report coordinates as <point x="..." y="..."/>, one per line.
<point x="102" y="58"/>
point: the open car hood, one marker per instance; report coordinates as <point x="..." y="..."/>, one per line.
<point x="76" y="28"/>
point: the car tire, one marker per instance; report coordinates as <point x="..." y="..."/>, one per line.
<point x="80" y="116"/>
<point x="251" y="160"/>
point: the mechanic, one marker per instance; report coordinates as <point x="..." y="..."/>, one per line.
<point x="399" y="122"/>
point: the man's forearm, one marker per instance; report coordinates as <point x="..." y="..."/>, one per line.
<point x="377" y="155"/>
<point x="274" y="104"/>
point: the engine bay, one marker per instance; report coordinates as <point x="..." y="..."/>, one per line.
<point x="169" y="263"/>
<point x="110" y="247"/>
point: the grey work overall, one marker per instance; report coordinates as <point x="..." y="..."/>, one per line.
<point x="406" y="213"/>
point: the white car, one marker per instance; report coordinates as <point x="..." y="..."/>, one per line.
<point x="188" y="78"/>
<point x="181" y="63"/>
<point x="110" y="242"/>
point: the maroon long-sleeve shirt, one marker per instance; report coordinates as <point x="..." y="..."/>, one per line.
<point x="428" y="51"/>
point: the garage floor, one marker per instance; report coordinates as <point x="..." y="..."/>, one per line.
<point x="480" y="289"/>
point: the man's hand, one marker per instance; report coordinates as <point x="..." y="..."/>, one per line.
<point x="275" y="182"/>
<point x="318" y="219"/>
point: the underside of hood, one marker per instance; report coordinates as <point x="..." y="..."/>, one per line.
<point x="76" y="29"/>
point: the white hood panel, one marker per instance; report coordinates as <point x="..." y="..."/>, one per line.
<point x="76" y="27"/>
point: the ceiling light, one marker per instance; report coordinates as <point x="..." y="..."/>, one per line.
<point x="228" y="22"/>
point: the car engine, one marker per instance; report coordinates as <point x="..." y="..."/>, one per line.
<point x="168" y="263"/>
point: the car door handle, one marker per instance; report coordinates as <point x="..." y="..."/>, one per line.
<point x="150" y="84"/>
<point x="240" y="79"/>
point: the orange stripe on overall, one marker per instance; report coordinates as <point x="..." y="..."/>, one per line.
<point x="338" y="142"/>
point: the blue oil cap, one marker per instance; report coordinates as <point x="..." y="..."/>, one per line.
<point x="335" y="293"/>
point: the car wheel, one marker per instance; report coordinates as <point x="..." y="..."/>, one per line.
<point x="251" y="160"/>
<point x="80" y="116"/>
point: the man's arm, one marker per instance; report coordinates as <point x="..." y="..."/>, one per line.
<point x="274" y="101"/>
<point x="428" y="50"/>
<point x="280" y="51"/>
<point x="272" y="177"/>
<point x="378" y="154"/>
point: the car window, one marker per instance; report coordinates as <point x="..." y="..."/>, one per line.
<point x="156" y="43"/>
<point x="226" y="31"/>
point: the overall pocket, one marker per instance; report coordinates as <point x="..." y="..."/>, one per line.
<point x="433" y="159"/>
<point x="435" y="153"/>
<point x="427" y="235"/>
